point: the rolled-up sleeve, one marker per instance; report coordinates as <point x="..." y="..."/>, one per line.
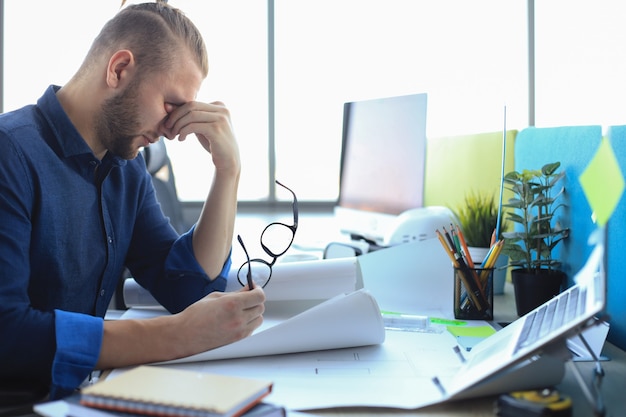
<point x="185" y="280"/>
<point x="182" y="258"/>
<point x="79" y="339"/>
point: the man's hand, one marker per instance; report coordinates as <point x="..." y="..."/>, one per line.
<point x="211" y="124"/>
<point x="221" y="318"/>
<point x="215" y="320"/>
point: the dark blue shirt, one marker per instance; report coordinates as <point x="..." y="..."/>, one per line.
<point x="69" y="224"/>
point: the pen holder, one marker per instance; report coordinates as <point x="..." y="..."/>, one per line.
<point x="473" y="293"/>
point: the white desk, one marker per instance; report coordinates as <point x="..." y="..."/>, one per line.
<point x="504" y="311"/>
<point x="612" y="387"/>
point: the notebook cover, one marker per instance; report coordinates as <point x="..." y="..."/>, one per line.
<point x="172" y="392"/>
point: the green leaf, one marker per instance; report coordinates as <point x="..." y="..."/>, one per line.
<point x="533" y="206"/>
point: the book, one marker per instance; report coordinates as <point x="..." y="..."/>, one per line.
<point x="70" y="407"/>
<point x="168" y="392"/>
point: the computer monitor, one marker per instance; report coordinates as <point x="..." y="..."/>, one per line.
<point x="382" y="163"/>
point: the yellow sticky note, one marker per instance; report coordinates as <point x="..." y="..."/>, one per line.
<point x="603" y="183"/>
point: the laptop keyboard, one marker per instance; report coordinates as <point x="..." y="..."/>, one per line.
<point x="551" y="316"/>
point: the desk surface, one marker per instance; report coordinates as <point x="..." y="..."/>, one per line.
<point x="612" y="389"/>
<point x="504" y="311"/>
<point x="612" y="392"/>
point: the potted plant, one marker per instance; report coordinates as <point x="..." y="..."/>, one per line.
<point x="478" y="218"/>
<point x="535" y="273"/>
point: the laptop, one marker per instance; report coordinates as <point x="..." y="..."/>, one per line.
<point x="534" y="344"/>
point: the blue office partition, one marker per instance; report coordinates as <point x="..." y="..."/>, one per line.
<point x="616" y="237"/>
<point x="573" y="146"/>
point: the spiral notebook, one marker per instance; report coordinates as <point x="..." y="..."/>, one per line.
<point x="163" y="391"/>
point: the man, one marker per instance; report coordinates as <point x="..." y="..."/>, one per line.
<point x="77" y="206"/>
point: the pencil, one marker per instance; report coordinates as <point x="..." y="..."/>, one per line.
<point x="446" y="247"/>
<point x="475" y="291"/>
<point x="459" y="232"/>
<point x="491" y="259"/>
<point x="492" y="255"/>
<point x="448" y="238"/>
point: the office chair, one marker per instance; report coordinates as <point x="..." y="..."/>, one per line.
<point x="159" y="166"/>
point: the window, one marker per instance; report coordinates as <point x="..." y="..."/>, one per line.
<point x="469" y="56"/>
<point x="41" y="45"/>
<point x="580" y="63"/>
<point x="235" y="32"/>
<point x="43" y="48"/>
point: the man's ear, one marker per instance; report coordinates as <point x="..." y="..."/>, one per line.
<point x="120" y="69"/>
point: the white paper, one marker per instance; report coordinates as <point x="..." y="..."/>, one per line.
<point x="395" y="374"/>
<point x="346" y="320"/>
<point x="304" y="280"/>
<point x="413" y="278"/>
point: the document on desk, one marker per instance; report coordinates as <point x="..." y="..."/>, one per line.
<point x="331" y="354"/>
<point x="395" y="374"/>
<point x="346" y="320"/>
<point x="305" y="280"/>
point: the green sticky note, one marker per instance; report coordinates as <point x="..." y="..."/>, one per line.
<point x="471" y="331"/>
<point x="603" y="183"/>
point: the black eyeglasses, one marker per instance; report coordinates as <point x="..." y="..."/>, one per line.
<point x="275" y="239"/>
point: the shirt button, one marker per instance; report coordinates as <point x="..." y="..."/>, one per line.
<point x="102" y="292"/>
<point x="110" y="239"/>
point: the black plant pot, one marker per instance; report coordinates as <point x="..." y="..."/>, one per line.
<point x="534" y="289"/>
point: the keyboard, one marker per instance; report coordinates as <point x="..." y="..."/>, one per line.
<point x="551" y="316"/>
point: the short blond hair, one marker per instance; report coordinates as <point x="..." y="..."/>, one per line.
<point x="155" y="34"/>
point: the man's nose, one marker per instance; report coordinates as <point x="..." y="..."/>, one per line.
<point x="165" y="132"/>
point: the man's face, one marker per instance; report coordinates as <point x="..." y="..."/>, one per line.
<point x="134" y="117"/>
<point x="118" y="124"/>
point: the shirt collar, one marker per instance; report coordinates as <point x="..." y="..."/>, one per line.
<point x="68" y="138"/>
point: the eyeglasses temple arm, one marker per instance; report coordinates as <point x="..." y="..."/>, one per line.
<point x="249" y="273"/>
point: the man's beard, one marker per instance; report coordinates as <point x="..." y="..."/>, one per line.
<point x="117" y="124"/>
